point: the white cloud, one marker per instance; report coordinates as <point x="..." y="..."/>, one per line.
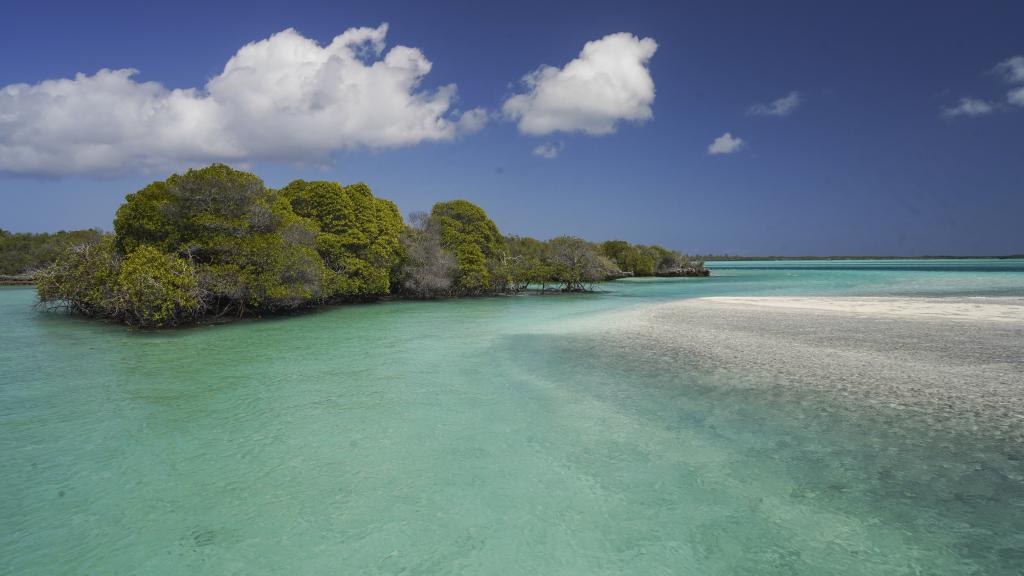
<point x="1012" y="72"/>
<point x="725" y="144"/>
<point x="969" y="107"/>
<point x="780" y="107"/>
<point x="282" y="98"/>
<point x="1016" y="96"/>
<point x="1012" y="69"/>
<point x="609" y="81"/>
<point x="549" y="150"/>
<point x="473" y="120"/>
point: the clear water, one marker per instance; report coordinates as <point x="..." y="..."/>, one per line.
<point x="479" y="437"/>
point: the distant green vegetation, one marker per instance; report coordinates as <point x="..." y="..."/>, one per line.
<point x="639" y="260"/>
<point x="731" y="257"/>
<point x="24" y="253"/>
<point x="217" y="242"/>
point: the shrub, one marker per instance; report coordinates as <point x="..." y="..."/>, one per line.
<point x="158" y="289"/>
<point x="577" y="263"/>
<point x="83" y="280"/>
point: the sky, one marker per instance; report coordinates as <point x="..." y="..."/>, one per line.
<point x="747" y="128"/>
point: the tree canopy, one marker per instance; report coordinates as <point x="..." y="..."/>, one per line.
<point x="639" y="260"/>
<point x="216" y="241"/>
<point x="358" y="236"/>
<point x="473" y="238"/>
<point x="250" y="249"/>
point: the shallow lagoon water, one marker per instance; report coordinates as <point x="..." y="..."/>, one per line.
<point x="485" y="436"/>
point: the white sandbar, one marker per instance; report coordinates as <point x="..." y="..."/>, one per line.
<point x="974" y="309"/>
<point x="952" y="363"/>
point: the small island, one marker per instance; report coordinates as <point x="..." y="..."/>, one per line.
<point x="216" y="243"/>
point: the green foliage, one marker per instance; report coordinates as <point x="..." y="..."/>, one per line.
<point x="266" y="272"/>
<point x="519" y="264"/>
<point x="215" y="241"/>
<point x="472" y="276"/>
<point x="148" y="288"/>
<point x="157" y="289"/>
<point x="630" y="259"/>
<point x="193" y="211"/>
<point x="358" y="234"/>
<point x="250" y="250"/>
<point x="473" y="238"/>
<point x="147" y="218"/>
<point x="638" y="260"/>
<point x="24" y="253"/>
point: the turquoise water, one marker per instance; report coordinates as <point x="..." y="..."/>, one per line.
<point x="480" y="437"/>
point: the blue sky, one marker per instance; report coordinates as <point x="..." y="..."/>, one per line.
<point x="877" y="152"/>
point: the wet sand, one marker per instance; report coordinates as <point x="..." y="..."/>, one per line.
<point x="942" y="309"/>
<point x="949" y="363"/>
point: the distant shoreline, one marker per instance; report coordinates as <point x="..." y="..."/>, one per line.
<point x="19" y="280"/>
<point x="773" y="258"/>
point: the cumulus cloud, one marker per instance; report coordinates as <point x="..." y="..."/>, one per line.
<point x="608" y="82"/>
<point x="780" y="107"/>
<point x="550" y="150"/>
<point x="281" y="98"/>
<point x="725" y="144"/>
<point x="969" y="107"/>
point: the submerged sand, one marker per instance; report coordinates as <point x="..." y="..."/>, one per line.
<point x="942" y="309"/>
<point x="951" y="363"/>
